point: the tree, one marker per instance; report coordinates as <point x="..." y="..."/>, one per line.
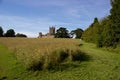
<point x="78" y="33"/>
<point x="115" y="20"/>
<point x="10" y="33"/>
<point x="102" y="32"/>
<point x="62" y="33"/>
<point x="20" y="35"/>
<point x="91" y="33"/>
<point x="1" y="32"/>
<point x="96" y="20"/>
<point x="111" y="32"/>
<point x="107" y="32"/>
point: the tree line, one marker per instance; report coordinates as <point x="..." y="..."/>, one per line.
<point x="10" y="33"/>
<point x="64" y="33"/>
<point x="105" y="32"/>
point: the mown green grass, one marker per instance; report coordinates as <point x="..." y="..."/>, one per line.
<point x="10" y="68"/>
<point x="102" y="65"/>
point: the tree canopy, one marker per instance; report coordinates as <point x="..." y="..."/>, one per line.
<point x="10" y="33"/>
<point x="91" y="33"/>
<point x="1" y="32"/>
<point x="105" y="32"/>
<point x="62" y="33"/>
<point x="78" y="33"/>
<point x="20" y="35"/>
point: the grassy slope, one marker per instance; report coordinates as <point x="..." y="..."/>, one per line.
<point x="9" y="68"/>
<point x="103" y="65"/>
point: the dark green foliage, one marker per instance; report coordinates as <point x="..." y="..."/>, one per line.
<point x="1" y="32"/>
<point x="107" y="31"/>
<point x="99" y="41"/>
<point x="115" y="20"/>
<point x="111" y="32"/>
<point x="115" y="12"/>
<point x="10" y="33"/>
<point x="91" y="33"/>
<point x="20" y="35"/>
<point x="62" y="33"/>
<point x="96" y="20"/>
<point x="103" y="34"/>
<point x="78" y="32"/>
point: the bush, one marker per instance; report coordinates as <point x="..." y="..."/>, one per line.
<point x="62" y="55"/>
<point x="79" y="56"/>
<point x="56" y="59"/>
<point x="20" y="35"/>
<point x="36" y="64"/>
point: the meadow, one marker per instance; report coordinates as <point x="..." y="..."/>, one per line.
<point x="56" y="59"/>
<point x="40" y="54"/>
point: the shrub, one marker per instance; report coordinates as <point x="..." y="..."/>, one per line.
<point x="77" y="55"/>
<point x="50" y="61"/>
<point x="62" y="54"/>
<point x="54" y="59"/>
<point x="36" y="64"/>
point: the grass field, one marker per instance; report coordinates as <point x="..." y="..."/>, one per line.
<point x="18" y="53"/>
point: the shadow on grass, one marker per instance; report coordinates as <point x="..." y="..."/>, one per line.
<point x="80" y="45"/>
<point x="80" y="56"/>
<point x="3" y="78"/>
<point x="71" y="61"/>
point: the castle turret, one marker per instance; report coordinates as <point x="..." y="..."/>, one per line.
<point x="51" y="30"/>
<point x="40" y="34"/>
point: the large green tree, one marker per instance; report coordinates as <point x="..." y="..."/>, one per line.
<point x="111" y="32"/>
<point x="1" y="32"/>
<point x="78" y="33"/>
<point x="115" y="20"/>
<point x="103" y="33"/>
<point x="62" y="33"/>
<point x="10" y="33"/>
<point x="20" y="35"/>
<point x="91" y="33"/>
<point x="107" y="31"/>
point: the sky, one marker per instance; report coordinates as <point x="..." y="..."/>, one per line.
<point x="33" y="16"/>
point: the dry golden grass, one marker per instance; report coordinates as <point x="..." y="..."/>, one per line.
<point x="37" y="52"/>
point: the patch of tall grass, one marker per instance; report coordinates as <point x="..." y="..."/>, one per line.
<point x="42" y="54"/>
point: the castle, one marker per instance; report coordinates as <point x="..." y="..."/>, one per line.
<point x="48" y="35"/>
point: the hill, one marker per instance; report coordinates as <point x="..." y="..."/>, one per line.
<point x="102" y="64"/>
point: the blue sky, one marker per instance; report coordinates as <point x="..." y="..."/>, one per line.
<point x="33" y="16"/>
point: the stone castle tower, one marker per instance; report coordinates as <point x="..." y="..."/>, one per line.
<point x="40" y="35"/>
<point x="48" y="35"/>
<point x="51" y="30"/>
